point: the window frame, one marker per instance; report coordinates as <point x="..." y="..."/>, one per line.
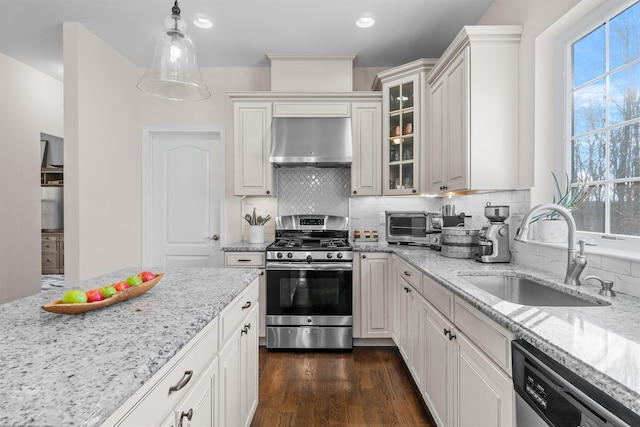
<point x="562" y="163"/>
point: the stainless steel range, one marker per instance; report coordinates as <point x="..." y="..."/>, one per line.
<point x="310" y="284"/>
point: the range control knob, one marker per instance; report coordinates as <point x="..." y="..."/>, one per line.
<point x="289" y="255"/>
<point x="502" y="231"/>
<point x="279" y="255"/>
<point x="309" y="258"/>
<point x="339" y="255"/>
<point x="329" y="255"/>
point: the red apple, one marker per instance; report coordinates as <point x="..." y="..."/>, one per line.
<point x="94" y="295"/>
<point x="121" y="286"/>
<point x="146" y="276"/>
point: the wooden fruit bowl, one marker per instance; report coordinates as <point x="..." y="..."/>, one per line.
<point x="60" y="308"/>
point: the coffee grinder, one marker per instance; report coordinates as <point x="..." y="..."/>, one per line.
<point x="494" y="236"/>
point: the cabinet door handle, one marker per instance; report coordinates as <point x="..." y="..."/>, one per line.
<point x="451" y="337"/>
<point x="246" y="305"/>
<point x="189" y="415"/>
<point x="355" y="192"/>
<point x="406" y="273"/>
<point x="248" y="326"/>
<point x="268" y="192"/>
<point x="183" y="382"/>
<point x="364" y="256"/>
<point x="414" y="191"/>
<point x="447" y="332"/>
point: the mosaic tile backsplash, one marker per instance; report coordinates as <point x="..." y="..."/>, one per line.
<point x="322" y="191"/>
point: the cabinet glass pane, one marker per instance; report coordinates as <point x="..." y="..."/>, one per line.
<point x="407" y="175"/>
<point x="407" y="95"/>
<point x="394" y="152"/>
<point x="407" y="123"/>
<point x="395" y="127"/>
<point x="394" y="177"/>
<point x="407" y="149"/>
<point x="394" y="98"/>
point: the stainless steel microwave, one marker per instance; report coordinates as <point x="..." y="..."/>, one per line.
<point x="409" y="227"/>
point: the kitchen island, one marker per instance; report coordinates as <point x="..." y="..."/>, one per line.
<point x="79" y="369"/>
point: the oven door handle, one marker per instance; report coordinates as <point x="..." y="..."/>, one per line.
<point x="317" y="266"/>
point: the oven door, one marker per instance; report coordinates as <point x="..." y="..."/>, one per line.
<point x="309" y="294"/>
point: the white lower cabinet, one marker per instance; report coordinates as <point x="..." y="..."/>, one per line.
<point x="457" y="356"/>
<point x="440" y="358"/>
<point x="205" y="384"/>
<point x="238" y="361"/>
<point x="375" y="295"/>
<point x="484" y="393"/>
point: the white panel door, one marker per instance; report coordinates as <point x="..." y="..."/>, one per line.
<point x="187" y="193"/>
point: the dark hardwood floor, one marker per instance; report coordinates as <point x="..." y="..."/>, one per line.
<point x="369" y="386"/>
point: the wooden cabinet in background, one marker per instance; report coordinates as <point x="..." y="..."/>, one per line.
<point x="366" y="177"/>
<point x="375" y="295"/>
<point x="52" y="253"/>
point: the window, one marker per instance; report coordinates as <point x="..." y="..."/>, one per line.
<point x="602" y="131"/>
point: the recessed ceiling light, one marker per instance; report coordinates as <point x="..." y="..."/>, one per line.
<point x="202" y="21"/>
<point x="365" y="22"/>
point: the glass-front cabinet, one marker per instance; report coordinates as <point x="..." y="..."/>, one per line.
<point x="402" y="128"/>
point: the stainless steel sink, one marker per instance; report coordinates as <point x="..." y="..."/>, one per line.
<point x="521" y="290"/>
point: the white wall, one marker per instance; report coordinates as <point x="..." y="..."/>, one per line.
<point x="30" y="103"/>
<point x="536" y="16"/>
<point x="102" y="157"/>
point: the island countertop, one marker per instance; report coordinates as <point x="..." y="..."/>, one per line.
<point x="79" y="369"/>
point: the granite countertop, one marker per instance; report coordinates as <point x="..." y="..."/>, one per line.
<point x="245" y="246"/>
<point x="601" y="343"/>
<point x="79" y="369"/>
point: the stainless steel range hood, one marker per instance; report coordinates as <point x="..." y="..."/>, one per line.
<point x="311" y="141"/>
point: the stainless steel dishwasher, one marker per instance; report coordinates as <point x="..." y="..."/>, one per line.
<point x="549" y="394"/>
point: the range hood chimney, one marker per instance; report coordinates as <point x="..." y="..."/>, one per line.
<point x="311" y="142"/>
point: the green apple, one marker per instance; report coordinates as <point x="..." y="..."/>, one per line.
<point x="108" y="291"/>
<point x="74" y="296"/>
<point x="134" y="280"/>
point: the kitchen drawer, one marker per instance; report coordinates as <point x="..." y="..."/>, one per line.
<point x="235" y="313"/>
<point x="50" y="260"/>
<point x="492" y="338"/>
<point x="244" y="259"/>
<point x="52" y="238"/>
<point x="411" y="275"/>
<point x="154" y="405"/>
<point x="48" y="246"/>
<point x="440" y="297"/>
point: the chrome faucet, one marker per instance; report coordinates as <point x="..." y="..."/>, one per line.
<point x="576" y="262"/>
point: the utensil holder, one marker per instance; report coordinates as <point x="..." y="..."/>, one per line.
<point x="256" y="234"/>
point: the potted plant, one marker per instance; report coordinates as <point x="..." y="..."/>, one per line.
<point x="551" y="227"/>
<point x="256" y="226"/>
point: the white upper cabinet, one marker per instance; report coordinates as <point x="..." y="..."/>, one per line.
<point x="252" y="142"/>
<point x="473" y="112"/>
<point x="403" y="127"/>
<point x="366" y="177"/>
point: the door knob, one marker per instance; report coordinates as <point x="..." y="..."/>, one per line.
<point x="214" y="237"/>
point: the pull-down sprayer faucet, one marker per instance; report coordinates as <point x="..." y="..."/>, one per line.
<point x="575" y="262"/>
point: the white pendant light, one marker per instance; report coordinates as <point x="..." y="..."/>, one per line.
<point x="174" y="73"/>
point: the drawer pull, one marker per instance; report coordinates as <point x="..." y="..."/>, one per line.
<point x="246" y="305"/>
<point x="406" y="273"/>
<point x="451" y="337"/>
<point x="447" y="332"/>
<point x="189" y="415"/>
<point x="183" y="382"/>
<point x="244" y="260"/>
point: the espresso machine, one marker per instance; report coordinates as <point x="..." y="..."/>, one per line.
<point x="494" y="236"/>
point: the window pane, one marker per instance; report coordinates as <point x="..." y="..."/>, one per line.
<point x="589" y="56"/>
<point x="588" y="155"/>
<point x="589" y="108"/>
<point x="624" y="91"/>
<point x="589" y="216"/>
<point x="624" y="37"/>
<point x="625" y="208"/>
<point x="625" y="151"/>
